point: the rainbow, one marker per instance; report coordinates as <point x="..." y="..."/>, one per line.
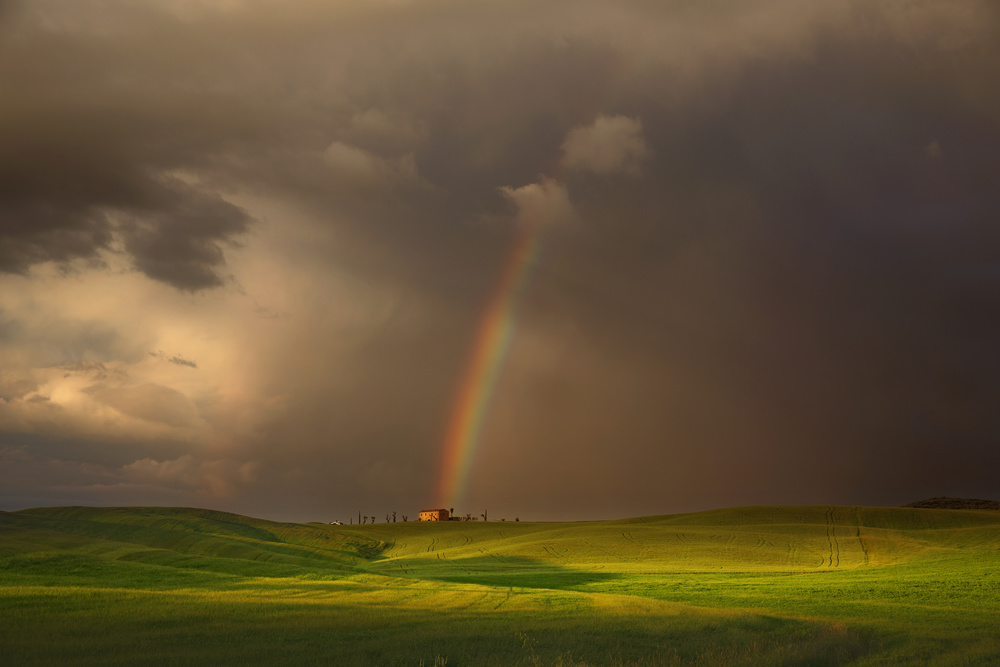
<point x="482" y="370"/>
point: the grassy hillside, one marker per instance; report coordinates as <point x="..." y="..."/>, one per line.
<point x="752" y="585"/>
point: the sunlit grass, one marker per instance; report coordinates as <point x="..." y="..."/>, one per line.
<point x="743" y="586"/>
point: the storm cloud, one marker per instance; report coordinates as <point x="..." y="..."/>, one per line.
<point x="770" y="270"/>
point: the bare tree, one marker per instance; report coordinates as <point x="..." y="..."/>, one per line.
<point x="484" y="515"/>
<point x="394" y="517"/>
<point x="468" y="517"/>
<point x="405" y="518"/>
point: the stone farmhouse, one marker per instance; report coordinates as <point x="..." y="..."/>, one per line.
<point x="434" y="515"/>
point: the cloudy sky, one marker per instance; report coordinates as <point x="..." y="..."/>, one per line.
<point x="246" y="247"/>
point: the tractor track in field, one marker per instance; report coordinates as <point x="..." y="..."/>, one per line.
<point x="493" y="556"/>
<point x="475" y="603"/>
<point x="601" y="549"/>
<point x="764" y="542"/>
<point x="510" y="591"/>
<point x="857" y="528"/>
<point x="831" y="538"/>
<point x="790" y="551"/>
<point x="433" y="545"/>
<point x="552" y="552"/>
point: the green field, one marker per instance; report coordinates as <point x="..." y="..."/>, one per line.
<point x="750" y="585"/>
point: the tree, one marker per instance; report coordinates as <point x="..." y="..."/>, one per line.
<point x="484" y="515"/>
<point x="394" y="517"/>
<point x="468" y="517"/>
<point x="451" y="512"/>
<point x="387" y="518"/>
<point x="405" y="518"/>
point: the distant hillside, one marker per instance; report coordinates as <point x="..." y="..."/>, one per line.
<point x="956" y="504"/>
<point x="130" y="544"/>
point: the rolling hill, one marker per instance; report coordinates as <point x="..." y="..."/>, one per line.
<point x="761" y="585"/>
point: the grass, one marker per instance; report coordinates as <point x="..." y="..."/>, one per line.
<point x="752" y="585"/>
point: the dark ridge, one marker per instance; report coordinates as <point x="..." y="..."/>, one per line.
<point x="956" y="504"/>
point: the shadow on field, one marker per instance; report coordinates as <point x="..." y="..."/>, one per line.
<point x="506" y="571"/>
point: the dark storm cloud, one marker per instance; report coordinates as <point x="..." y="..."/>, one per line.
<point x="178" y="242"/>
<point x="781" y="263"/>
<point x="86" y="160"/>
<point x="816" y="284"/>
<point x="59" y="201"/>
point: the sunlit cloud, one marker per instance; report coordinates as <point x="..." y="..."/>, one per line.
<point x="609" y="145"/>
<point x="543" y="203"/>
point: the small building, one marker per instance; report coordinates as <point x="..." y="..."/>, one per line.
<point x="434" y="515"/>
